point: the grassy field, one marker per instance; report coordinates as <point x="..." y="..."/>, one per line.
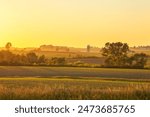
<point x="73" y="83"/>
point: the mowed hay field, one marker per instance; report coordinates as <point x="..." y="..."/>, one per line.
<point x="73" y="83"/>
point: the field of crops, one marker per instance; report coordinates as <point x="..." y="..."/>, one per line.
<point x="73" y="83"/>
<point x="87" y="58"/>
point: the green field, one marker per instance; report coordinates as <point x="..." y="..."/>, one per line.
<point x="73" y="83"/>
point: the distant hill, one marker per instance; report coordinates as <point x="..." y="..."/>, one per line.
<point x="66" y="49"/>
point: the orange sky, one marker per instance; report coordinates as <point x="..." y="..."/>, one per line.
<point x="76" y="23"/>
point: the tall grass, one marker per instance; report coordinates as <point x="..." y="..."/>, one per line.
<point x="82" y="89"/>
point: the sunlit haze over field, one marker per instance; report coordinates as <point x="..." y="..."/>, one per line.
<point x="31" y="23"/>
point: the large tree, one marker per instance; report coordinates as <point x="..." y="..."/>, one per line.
<point x="116" y="54"/>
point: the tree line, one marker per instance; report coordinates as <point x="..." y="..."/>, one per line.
<point x="9" y="58"/>
<point x="116" y="55"/>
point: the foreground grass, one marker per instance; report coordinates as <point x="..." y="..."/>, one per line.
<point x="73" y="88"/>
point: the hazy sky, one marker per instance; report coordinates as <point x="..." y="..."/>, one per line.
<point x="74" y="22"/>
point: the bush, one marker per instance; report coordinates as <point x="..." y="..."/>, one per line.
<point x="58" y="61"/>
<point x="138" y="60"/>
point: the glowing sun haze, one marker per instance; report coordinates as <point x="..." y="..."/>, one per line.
<point x="76" y="23"/>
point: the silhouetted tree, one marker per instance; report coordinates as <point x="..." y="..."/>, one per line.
<point x="8" y="58"/>
<point x="42" y="59"/>
<point x="116" y="54"/>
<point x="32" y="58"/>
<point x="8" y="46"/>
<point x="88" y="48"/>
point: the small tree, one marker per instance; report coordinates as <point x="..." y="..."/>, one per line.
<point x="116" y="54"/>
<point x="32" y="58"/>
<point x="88" y="48"/>
<point x="42" y="59"/>
<point x="8" y="46"/>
